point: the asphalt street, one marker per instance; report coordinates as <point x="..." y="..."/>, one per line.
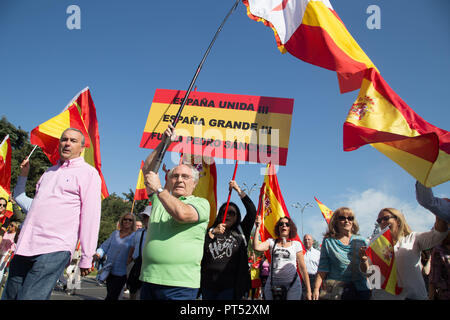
<point x="89" y="291"/>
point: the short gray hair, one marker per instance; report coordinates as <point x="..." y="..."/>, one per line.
<point x="77" y="130"/>
<point x="195" y="173"/>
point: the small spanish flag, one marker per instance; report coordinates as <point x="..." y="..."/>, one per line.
<point x="326" y="212"/>
<point x="140" y="193"/>
<point x="381" y="253"/>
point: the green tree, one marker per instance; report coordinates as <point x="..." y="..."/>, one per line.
<point x="21" y="148"/>
<point x="139" y="205"/>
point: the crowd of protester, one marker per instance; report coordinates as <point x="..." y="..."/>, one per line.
<point x="167" y="252"/>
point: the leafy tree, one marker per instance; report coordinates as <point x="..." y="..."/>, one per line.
<point x="21" y="148"/>
<point x="139" y="205"/>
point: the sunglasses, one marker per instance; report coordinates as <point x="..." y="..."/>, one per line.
<point x="3" y="205"/>
<point x="385" y="218"/>
<point x="343" y="218"/>
<point x="282" y="224"/>
<point x="127" y="219"/>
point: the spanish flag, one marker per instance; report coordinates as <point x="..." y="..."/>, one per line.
<point x="326" y="212"/>
<point x="381" y="118"/>
<point x="141" y="192"/>
<point x="83" y="101"/>
<point x="207" y="184"/>
<point x="271" y="205"/>
<point x="381" y="252"/>
<point x="80" y="113"/>
<point x="313" y="32"/>
<point x="5" y="174"/>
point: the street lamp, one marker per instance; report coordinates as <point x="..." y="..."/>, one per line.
<point x="247" y="189"/>
<point x="302" y="208"/>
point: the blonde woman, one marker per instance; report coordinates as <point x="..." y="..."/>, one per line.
<point x="407" y="248"/>
<point x="116" y="247"/>
<point x="340" y="258"/>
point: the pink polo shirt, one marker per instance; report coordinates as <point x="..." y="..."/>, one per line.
<point x="66" y="208"/>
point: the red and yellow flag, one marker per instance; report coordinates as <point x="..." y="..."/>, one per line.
<point x="271" y="205"/>
<point x="207" y="184"/>
<point x="381" y="253"/>
<point x="381" y="118"/>
<point x="83" y="101"/>
<point x="326" y="212"/>
<point x="5" y="174"/>
<point x="141" y="192"/>
<point x="80" y="113"/>
<point x="47" y="134"/>
<point x="313" y="32"/>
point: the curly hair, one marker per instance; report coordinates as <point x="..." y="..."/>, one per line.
<point x="292" y="228"/>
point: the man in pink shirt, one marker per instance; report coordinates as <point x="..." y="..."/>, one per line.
<point x="66" y="208"/>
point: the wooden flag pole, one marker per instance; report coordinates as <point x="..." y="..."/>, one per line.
<point x="229" y="193"/>
<point x="31" y="152"/>
<point x="163" y="151"/>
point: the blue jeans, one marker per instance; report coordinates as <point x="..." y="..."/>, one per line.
<point x="151" y="291"/>
<point x="34" y="277"/>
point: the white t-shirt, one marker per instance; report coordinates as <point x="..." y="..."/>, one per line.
<point x="284" y="261"/>
<point x="409" y="268"/>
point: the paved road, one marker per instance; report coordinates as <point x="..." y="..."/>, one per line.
<point x="89" y="291"/>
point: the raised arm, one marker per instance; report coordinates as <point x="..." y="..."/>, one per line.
<point x="257" y="244"/>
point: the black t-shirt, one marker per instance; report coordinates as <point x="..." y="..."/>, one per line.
<point x="223" y="255"/>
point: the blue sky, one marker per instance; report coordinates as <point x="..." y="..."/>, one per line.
<point x="125" y="50"/>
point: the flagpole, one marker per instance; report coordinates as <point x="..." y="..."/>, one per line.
<point x="229" y="193"/>
<point x="162" y="153"/>
<point x="4" y="139"/>
<point x="31" y="152"/>
<point x="132" y="207"/>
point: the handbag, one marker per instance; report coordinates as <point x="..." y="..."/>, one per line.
<point x="332" y="290"/>
<point x="279" y="292"/>
<point x="133" y="281"/>
<point x="336" y="289"/>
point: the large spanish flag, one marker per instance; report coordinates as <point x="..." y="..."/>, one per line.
<point x="271" y="205"/>
<point x="207" y="184"/>
<point x="381" y="253"/>
<point x="83" y="101"/>
<point x="326" y="212"/>
<point x="313" y="32"/>
<point x="80" y="113"/>
<point x="141" y="192"/>
<point x="381" y="118"/>
<point x="5" y="173"/>
<point x="47" y="134"/>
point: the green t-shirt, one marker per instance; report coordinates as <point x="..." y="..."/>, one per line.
<point x="173" y="251"/>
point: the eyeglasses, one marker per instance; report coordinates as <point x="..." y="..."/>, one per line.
<point x="282" y="224"/>
<point x="183" y="177"/>
<point x="385" y="218"/>
<point x="343" y="218"/>
<point x="127" y="219"/>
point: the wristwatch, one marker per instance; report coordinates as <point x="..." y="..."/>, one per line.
<point x="159" y="190"/>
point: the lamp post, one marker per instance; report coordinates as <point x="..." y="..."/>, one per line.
<point x="302" y="208"/>
<point x="247" y="189"/>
